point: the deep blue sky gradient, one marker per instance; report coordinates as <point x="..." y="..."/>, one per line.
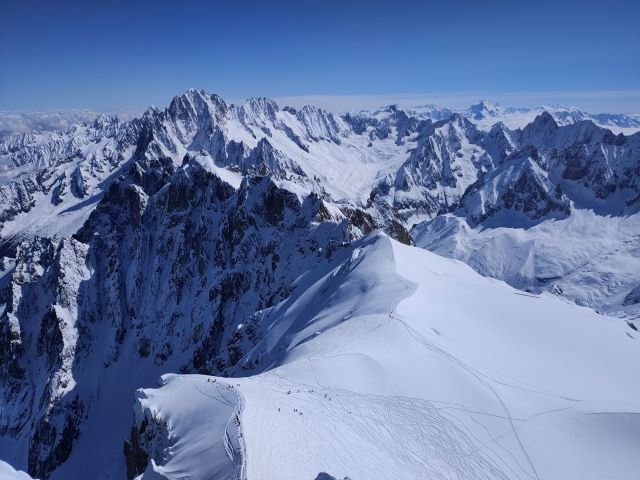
<point x="128" y="54"/>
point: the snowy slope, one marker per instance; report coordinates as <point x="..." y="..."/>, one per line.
<point x="51" y="181"/>
<point x="168" y="244"/>
<point x="7" y="472"/>
<point x="178" y="439"/>
<point x="378" y="370"/>
<point x="590" y="259"/>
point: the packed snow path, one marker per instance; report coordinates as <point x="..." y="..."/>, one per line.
<point x="216" y="440"/>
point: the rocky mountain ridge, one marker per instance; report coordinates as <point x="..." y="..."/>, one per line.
<point x="157" y="242"/>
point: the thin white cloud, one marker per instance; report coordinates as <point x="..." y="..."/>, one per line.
<point x="627" y="101"/>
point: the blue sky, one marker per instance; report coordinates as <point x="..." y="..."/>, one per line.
<point x="126" y="55"/>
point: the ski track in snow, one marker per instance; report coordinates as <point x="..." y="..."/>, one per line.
<point x="369" y="416"/>
<point x="432" y="347"/>
<point x="233" y="438"/>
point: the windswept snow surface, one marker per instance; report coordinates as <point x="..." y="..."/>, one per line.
<point x="397" y="363"/>
<point x="190" y="433"/>
<point x="587" y="258"/>
<point x="7" y="472"/>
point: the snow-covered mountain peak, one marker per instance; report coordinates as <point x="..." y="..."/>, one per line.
<point x="102" y="120"/>
<point x="458" y="122"/>
<point x="541" y="131"/>
<point x="543" y="121"/>
<point x="196" y="96"/>
<point x="382" y="110"/>
<point x="259" y="108"/>
<point x="485" y="109"/>
<point x="427" y="106"/>
<point x="197" y="105"/>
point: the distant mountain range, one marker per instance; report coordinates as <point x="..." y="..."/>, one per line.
<point x="16" y="123"/>
<point x="280" y="263"/>
<point x="487" y="113"/>
<point x="484" y="114"/>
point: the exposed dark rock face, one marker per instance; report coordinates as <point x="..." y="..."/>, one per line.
<point x="17" y="198"/>
<point x="326" y="476"/>
<point x="520" y="186"/>
<point x="400" y="233"/>
<point x="135" y="456"/>
<point x="633" y="297"/>
<point x="49" y="447"/>
<point x="39" y="340"/>
<point x="360" y="219"/>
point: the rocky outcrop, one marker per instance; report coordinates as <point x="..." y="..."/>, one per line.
<point x="519" y="190"/>
<point x="633" y="297"/>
